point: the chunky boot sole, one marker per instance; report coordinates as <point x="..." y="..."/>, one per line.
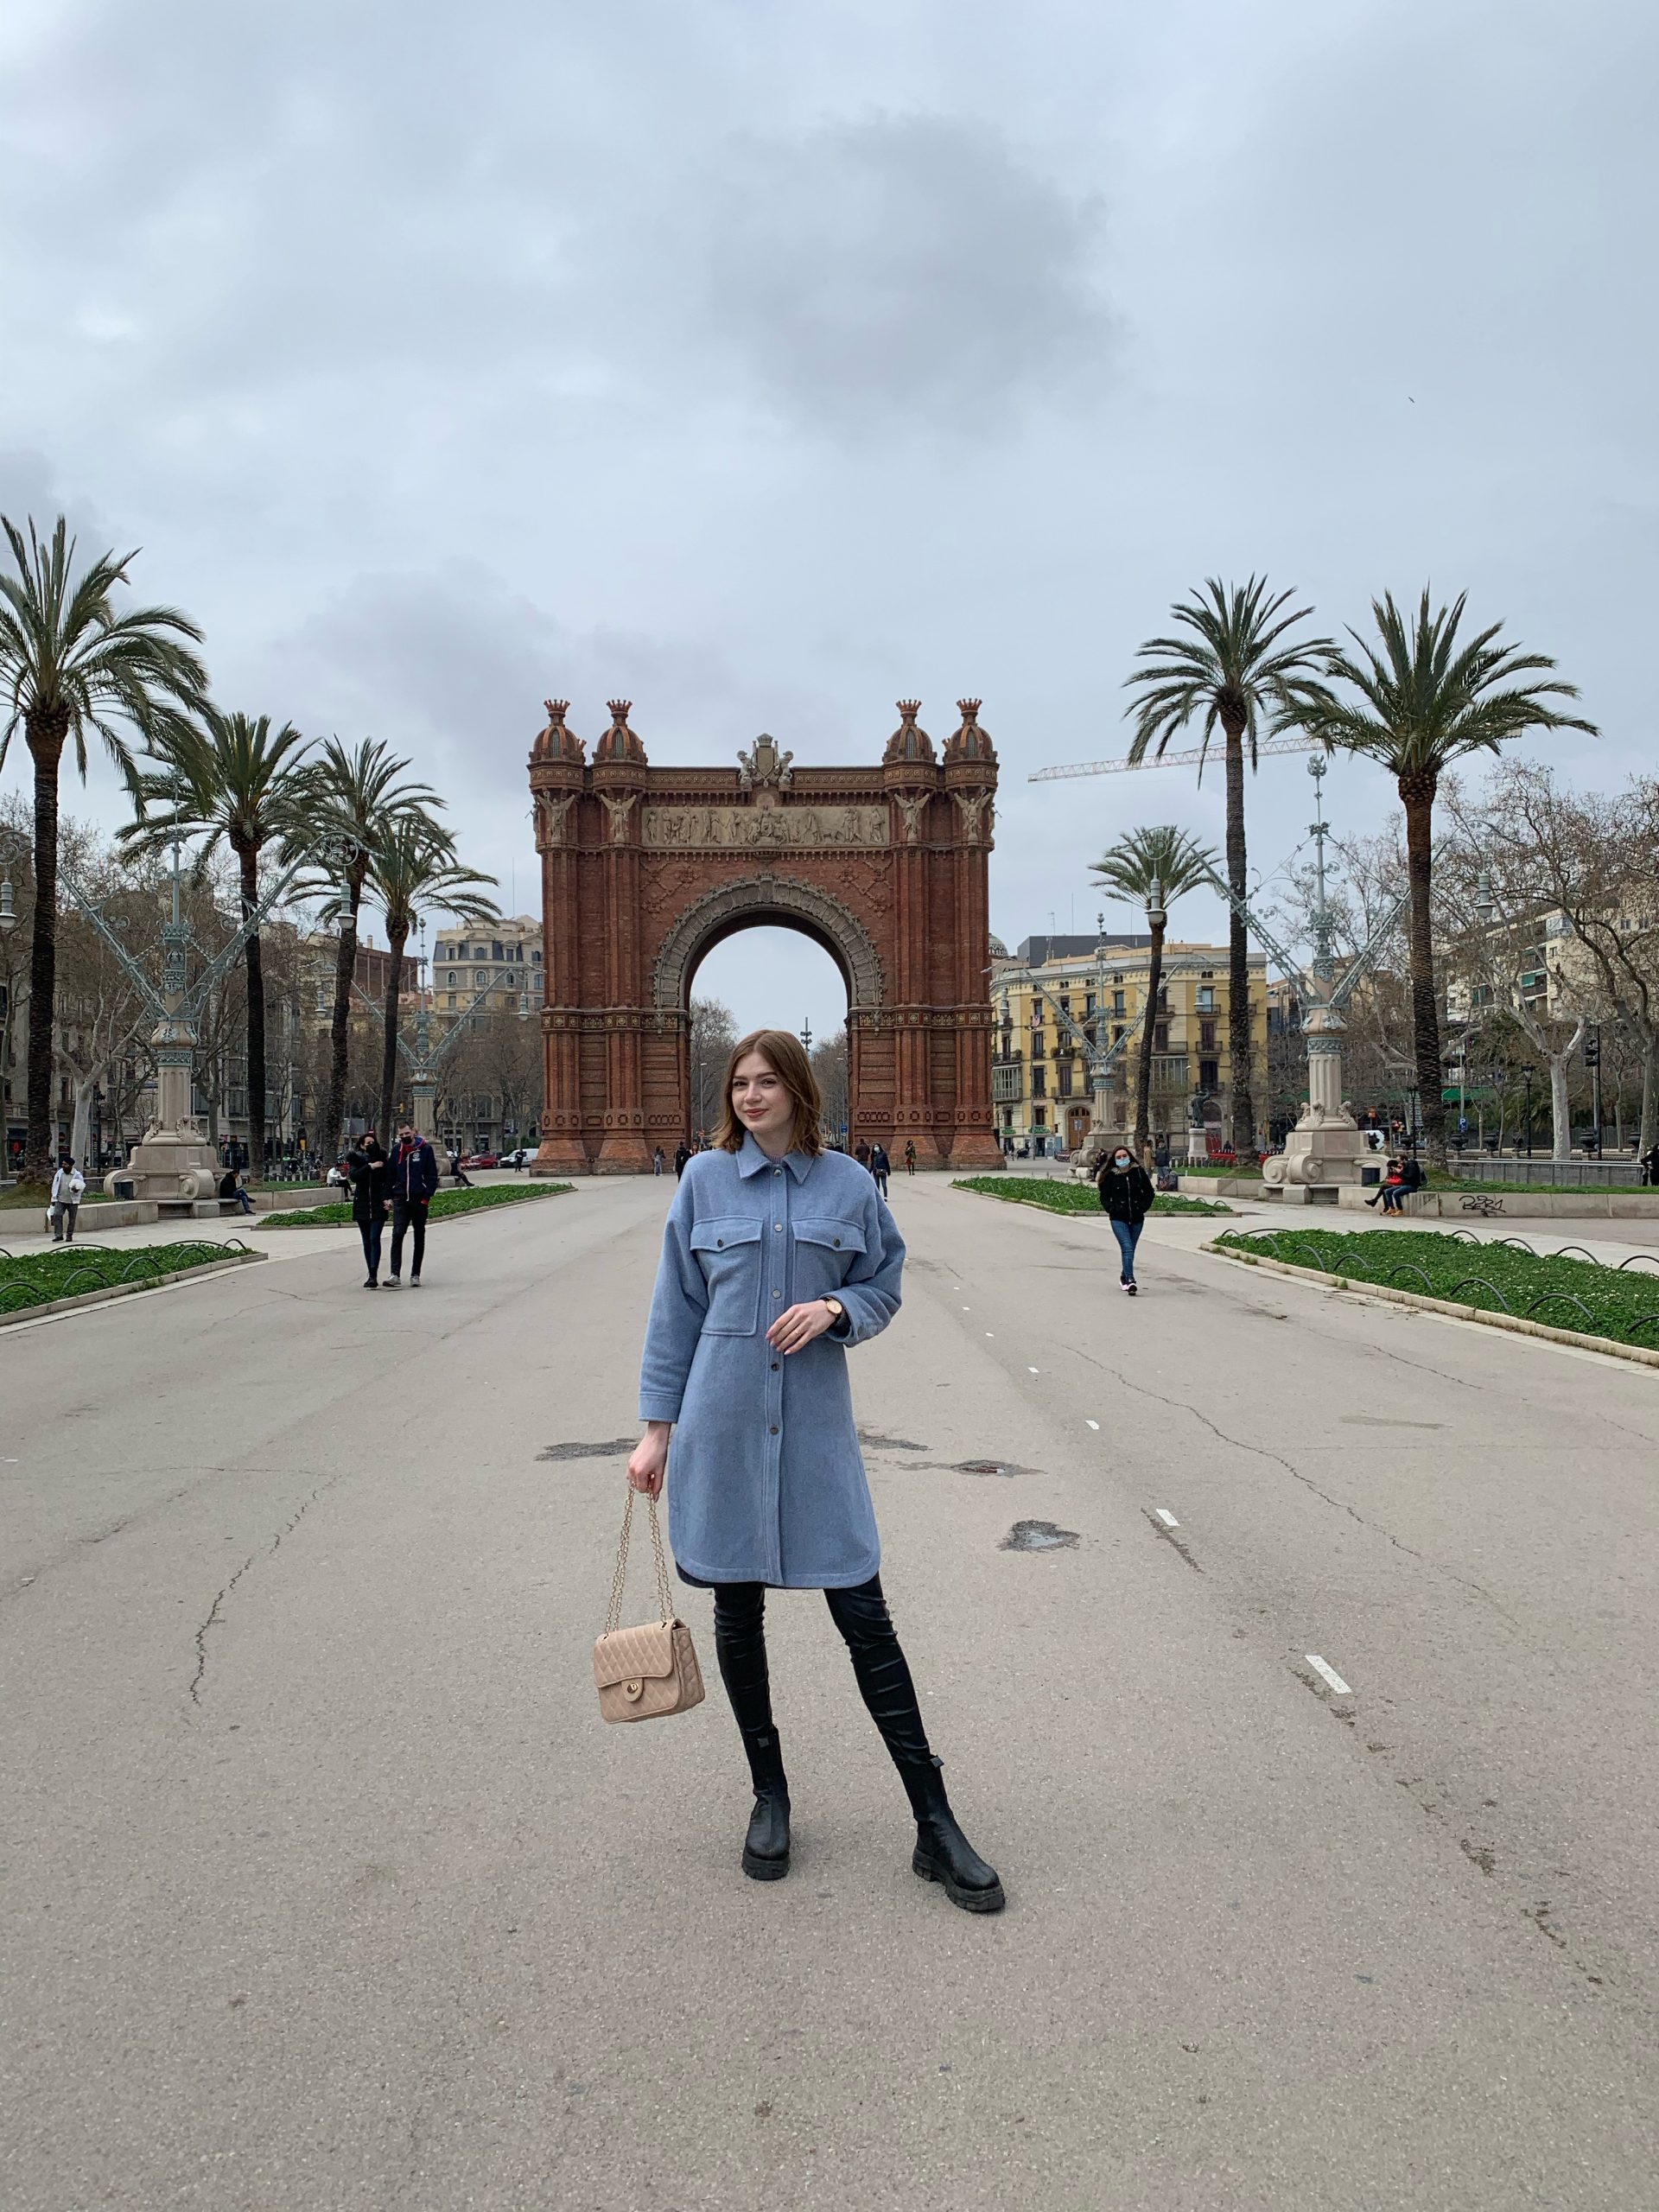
<point x="935" y="1870"/>
<point x="764" y="1870"/>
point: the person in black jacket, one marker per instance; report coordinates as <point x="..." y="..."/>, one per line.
<point x="1127" y="1194"/>
<point x="366" y="1163"/>
<point x="413" y="1173"/>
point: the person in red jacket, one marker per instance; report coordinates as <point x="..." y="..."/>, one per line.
<point x="412" y="1175"/>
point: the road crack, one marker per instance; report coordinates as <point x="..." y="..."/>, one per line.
<point x="216" y="1610"/>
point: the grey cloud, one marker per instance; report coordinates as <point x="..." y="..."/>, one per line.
<point x="904" y="271"/>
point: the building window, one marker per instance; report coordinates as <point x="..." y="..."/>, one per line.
<point x="497" y="953"/>
<point x="453" y="979"/>
<point x="1038" y="1080"/>
<point x="1161" y="1036"/>
<point x="1039" y="1117"/>
<point x="1207" y="998"/>
<point x="1117" y="1001"/>
<point x="536" y="959"/>
<point x="1209" y="1075"/>
<point x="1206" y="1036"/>
<point x="451" y="1001"/>
<point x="1065" y="1078"/>
<point x="481" y="976"/>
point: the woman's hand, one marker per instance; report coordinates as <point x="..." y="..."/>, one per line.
<point x="649" y="1463"/>
<point x="793" y="1330"/>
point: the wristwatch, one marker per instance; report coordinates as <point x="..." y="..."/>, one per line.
<point x="836" y="1308"/>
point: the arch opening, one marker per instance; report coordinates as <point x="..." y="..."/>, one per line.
<point x="767" y="973"/>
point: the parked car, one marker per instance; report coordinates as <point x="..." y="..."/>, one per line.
<point x="480" y="1160"/>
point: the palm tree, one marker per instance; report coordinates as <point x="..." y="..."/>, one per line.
<point x="232" y="776"/>
<point x="1155" y="866"/>
<point x="1420" y="703"/>
<point x="1229" y="666"/>
<point x="355" y="796"/>
<point x="70" y="660"/>
<point x="413" y="864"/>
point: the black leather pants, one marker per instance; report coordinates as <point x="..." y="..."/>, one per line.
<point x="879" y="1663"/>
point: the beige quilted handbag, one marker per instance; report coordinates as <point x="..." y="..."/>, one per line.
<point x="642" y="1674"/>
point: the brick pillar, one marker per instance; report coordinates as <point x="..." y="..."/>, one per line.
<point x="970" y="779"/>
<point x="558" y="772"/>
<point x="911" y="777"/>
<point x="620" y="779"/>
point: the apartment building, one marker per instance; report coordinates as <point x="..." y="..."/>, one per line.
<point x="502" y="960"/>
<point x="1039" y="1077"/>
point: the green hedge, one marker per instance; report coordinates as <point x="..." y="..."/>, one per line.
<point x="444" y="1206"/>
<point x="1620" y="1303"/>
<point x="68" y="1269"/>
<point x="1055" y="1197"/>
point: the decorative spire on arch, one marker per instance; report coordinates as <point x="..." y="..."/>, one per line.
<point x="970" y="742"/>
<point x="619" y="742"/>
<point x="908" y="741"/>
<point x="555" y="741"/>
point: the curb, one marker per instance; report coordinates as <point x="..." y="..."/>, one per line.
<point x="444" y="1221"/>
<point x="176" y="1281"/>
<point x="1514" y="1323"/>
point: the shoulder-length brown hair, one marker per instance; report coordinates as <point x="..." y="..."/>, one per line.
<point x="786" y="1056"/>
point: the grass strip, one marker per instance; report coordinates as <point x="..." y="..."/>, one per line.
<point x="1055" y="1197"/>
<point x="444" y="1207"/>
<point x="70" y="1270"/>
<point x="1621" y="1304"/>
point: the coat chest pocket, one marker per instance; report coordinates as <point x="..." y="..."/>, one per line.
<point x="728" y="1252"/>
<point x="825" y="1250"/>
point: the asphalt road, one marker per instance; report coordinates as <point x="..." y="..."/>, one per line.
<point x="324" y="1886"/>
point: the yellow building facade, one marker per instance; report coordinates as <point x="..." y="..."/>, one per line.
<point x="1040" y="1092"/>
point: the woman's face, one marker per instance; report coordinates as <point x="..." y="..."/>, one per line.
<point x="1120" y="1158"/>
<point x="760" y="1100"/>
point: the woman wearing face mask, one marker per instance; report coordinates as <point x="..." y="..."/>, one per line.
<point x="1127" y="1194"/>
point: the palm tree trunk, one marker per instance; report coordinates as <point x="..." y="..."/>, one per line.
<point x="1242" y="1114"/>
<point x="1417" y="796"/>
<point x="397" y="939"/>
<point x="1148" y="1029"/>
<point x="44" y="733"/>
<point x="248" y="862"/>
<point x="340" y="1031"/>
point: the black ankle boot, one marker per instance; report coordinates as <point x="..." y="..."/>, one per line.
<point x="943" y="1853"/>
<point x="766" y="1847"/>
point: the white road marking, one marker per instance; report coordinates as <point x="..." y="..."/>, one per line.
<point x="1168" y="1518"/>
<point x="990" y="1332"/>
<point x="1328" y="1673"/>
<point x="967" y="1309"/>
<point x="1093" y="1424"/>
<point x="1032" y="1370"/>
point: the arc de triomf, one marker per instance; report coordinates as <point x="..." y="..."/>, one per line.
<point x="644" y="869"/>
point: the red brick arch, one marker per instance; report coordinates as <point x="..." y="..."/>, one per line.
<point x="644" y="870"/>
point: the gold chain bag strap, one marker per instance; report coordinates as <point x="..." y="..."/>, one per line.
<point x="643" y="1673"/>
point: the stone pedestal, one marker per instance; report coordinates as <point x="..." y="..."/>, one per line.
<point x="426" y="1108"/>
<point x="173" y="1164"/>
<point x="1325" y="1149"/>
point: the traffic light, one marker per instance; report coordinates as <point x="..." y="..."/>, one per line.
<point x="1592" y="1052"/>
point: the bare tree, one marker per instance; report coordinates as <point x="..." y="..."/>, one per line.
<point x="714" y="1032"/>
<point x="830" y="1065"/>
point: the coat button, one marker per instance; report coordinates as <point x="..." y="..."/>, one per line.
<point x="776" y="1224"/>
<point x="774" y="1428"/>
<point x="777" y="1293"/>
<point x="719" y="1243"/>
<point x="774" y="1366"/>
<point x="837" y="1243"/>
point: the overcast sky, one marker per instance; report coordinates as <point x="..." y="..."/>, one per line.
<point x="765" y="362"/>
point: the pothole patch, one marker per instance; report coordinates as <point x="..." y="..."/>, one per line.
<point x="878" y="1443"/>
<point x="1037" y="1536"/>
<point x="617" y="1448"/>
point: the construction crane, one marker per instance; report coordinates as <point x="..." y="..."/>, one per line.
<point x="1165" y="759"/>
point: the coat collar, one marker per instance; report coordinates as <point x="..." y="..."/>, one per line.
<point x="750" y="1159"/>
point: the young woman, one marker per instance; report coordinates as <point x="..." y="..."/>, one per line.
<point x="778" y="1255"/>
<point x="1127" y="1194"/>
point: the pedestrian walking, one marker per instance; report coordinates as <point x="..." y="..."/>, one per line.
<point x="778" y="1256"/>
<point x="681" y="1153"/>
<point x="366" y="1163"/>
<point x="1650" y="1164"/>
<point x="1127" y="1194"/>
<point x="880" y="1168"/>
<point x="910" y="1155"/>
<point x="861" y="1153"/>
<point x="412" y="1178"/>
<point x="456" y="1170"/>
<point x="68" y="1186"/>
<point x="657" y="1161"/>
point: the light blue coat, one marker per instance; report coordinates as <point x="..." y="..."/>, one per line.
<point x="765" y="1480"/>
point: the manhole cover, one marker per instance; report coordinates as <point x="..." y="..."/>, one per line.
<point x="615" y="1450"/>
<point x="1037" y="1536"/>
